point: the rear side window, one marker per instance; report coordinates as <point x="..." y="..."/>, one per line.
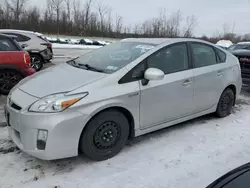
<point x="7" y="45"/>
<point x="43" y="38"/>
<point x="221" y="56"/>
<point x="203" y="55"/>
<point x="20" y="38"/>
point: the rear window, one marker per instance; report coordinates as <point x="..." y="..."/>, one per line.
<point x="43" y="38"/>
<point x="7" y="45"/>
<point x="221" y="56"/>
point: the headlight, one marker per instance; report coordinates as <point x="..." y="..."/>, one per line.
<point x="56" y="103"/>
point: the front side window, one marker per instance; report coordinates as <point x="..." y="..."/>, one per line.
<point x="170" y="59"/>
<point x="112" y="57"/>
<point x="203" y="55"/>
<point x="7" y="45"/>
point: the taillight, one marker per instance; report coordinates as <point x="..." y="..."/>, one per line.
<point x="26" y="59"/>
<point x="47" y="44"/>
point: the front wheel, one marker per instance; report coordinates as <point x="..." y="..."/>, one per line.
<point x="226" y="103"/>
<point x="105" y="135"/>
<point x="8" y="79"/>
<point x="36" y="62"/>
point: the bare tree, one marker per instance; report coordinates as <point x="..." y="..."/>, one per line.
<point x="49" y="10"/>
<point x="16" y="7"/>
<point x="87" y="10"/>
<point x="57" y="6"/>
<point x="225" y="29"/>
<point x="76" y="11"/>
<point x="103" y="10"/>
<point x="118" y="25"/>
<point x="68" y="7"/>
<point x="173" y="25"/>
<point x="190" y="25"/>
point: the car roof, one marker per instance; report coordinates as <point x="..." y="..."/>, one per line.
<point x="20" y="31"/>
<point x="158" y="41"/>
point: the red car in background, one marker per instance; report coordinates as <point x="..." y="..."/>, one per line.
<point x="14" y="64"/>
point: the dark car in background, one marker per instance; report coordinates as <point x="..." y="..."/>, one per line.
<point x="237" y="178"/>
<point x="239" y="46"/>
<point x="244" y="58"/>
<point x="14" y="64"/>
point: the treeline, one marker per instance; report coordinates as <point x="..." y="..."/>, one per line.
<point x="94" y="18"/>
<point x="89" y="18"/>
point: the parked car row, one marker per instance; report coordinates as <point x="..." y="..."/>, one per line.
<point x="77" y="41"/>
<point x="39" y="49"/>
<point x="15" y="63"/>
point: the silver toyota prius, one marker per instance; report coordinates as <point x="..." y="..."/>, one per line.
<point x="94" y="103"/>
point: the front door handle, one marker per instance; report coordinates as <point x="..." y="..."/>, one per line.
<point x="219" y="73"/>
<point x="187" y="82"/>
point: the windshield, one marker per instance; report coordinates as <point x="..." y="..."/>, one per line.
<point x="112" y="57"/>
<point x="239" y="46"/>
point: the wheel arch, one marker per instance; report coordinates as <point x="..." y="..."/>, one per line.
<point x="233" y="88"/>
<point x="36" y="53"/>
<point x="121" y="109"/>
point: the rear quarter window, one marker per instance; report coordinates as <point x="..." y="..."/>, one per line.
<point x="19" y="37"/>
<point x="7" y="45"/>
<point x="222" y="56"/>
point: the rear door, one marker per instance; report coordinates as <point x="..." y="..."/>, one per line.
<point x="209" y="76"/>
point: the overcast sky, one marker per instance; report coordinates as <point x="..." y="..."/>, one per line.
<point x="210" y="14"/>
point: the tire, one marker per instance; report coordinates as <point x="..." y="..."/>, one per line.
<point x="8" y="79"/>
<point x="105" y="135"/>
<point x="36" y="62"/>
<point x="225" y="103"/>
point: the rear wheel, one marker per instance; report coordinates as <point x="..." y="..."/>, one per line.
<point x="226" y="103"/>
<point x="105" y="135"/>
<point x="8" y="79"/>
<point x="36" y="62"/>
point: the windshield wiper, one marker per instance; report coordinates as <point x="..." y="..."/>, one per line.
<point x="89" y="67"/>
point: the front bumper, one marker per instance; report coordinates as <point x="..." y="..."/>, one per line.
<point x="29" y="71"/>
<point x="64" y="130"/>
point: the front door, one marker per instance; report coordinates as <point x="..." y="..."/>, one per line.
<point x="170" y="98"/>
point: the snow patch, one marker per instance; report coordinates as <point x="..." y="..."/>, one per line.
<point x="190" y="155"/>
<point x="224" y="43"/>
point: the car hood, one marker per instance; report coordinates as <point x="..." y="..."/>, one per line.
<point x="58" y="79"/>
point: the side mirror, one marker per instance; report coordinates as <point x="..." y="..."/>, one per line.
<point x="153" y="74"/>
<point x="24" y="45"/>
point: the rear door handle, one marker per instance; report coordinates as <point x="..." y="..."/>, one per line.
<point x="187" y="82"/>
